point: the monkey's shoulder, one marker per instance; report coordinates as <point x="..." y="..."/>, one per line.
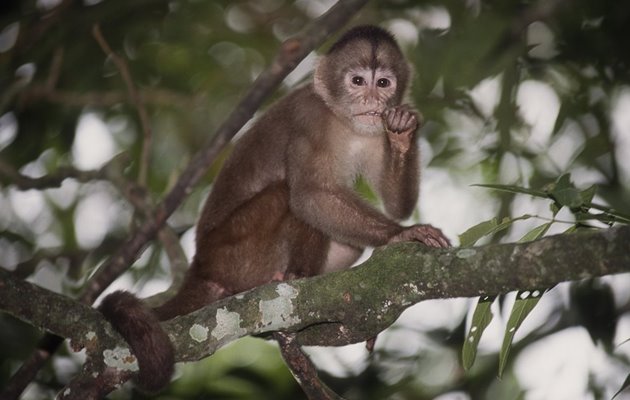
<point x="299" y="111"/>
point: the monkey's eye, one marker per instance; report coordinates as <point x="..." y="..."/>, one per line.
<point x="383" y="83"/>
<point x="358" y="81"/>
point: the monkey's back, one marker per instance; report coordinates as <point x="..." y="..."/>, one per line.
<point x="258" y="160"/>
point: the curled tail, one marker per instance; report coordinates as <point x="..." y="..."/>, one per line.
<point x="140" y="327"/>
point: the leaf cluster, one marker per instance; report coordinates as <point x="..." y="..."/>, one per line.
<point x="591" y="300"/>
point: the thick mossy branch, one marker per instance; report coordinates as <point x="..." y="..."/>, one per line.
<point x="347" y="306"/>
<point x="353" y="305"/>
<point x="47" y="310"/>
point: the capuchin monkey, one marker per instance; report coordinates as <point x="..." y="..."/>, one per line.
<point x="283" y="206"/>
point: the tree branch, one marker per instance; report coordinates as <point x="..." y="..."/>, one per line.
<point x="53" y="180"/>
<point x="404" y="273"/>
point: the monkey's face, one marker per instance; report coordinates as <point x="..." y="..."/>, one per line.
<point x="368" y="93"/>
<point x="361" y="78"/>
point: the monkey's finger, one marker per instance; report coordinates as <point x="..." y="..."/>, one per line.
<point x="437" y="242"/>
<point x="388" y="113"/>
<point x="429" y="241"/>
<point x="398" y="120"/>
<point x="437" y="238"/>
<point x="441" y="239"/>
<point x="385" y="114"/>
<point x="403" y="115"/>
<point x="409" y="121"/>
<point x="392" y="117"/>
<point x="391" y="123"/>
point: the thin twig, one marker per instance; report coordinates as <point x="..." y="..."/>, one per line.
<point x="55" y="179"/>
<point x="136" y="100"/>
<point x="55" y="69"/>
<point x="158" y="97"/>
<point x="139" y="198"/>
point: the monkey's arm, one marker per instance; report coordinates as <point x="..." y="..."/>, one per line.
<point x="342" y="215"/>
<point x="321" y="195"/>
<point x="398" y="181"/>
<point x="339" y="213"/>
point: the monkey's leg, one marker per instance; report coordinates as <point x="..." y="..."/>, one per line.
<point x="307" y="248"/>
<point x="249" y="247"/>
<point x="341" y="256"/>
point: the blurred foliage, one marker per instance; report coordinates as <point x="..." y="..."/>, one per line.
<point x="192" y="60"/>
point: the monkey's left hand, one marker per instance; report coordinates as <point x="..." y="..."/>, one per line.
<point x="427" y="234"/>
<point x="401" y="124"/>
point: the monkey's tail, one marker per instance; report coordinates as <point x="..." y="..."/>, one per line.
<point x="140" y="327"/>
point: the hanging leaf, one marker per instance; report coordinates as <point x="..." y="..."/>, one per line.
<point x="524" y="304"/>
<point x="480" y="321"/>
<point x="593" y="302"/>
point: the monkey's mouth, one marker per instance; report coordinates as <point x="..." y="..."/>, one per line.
<point x="369" y="114"/>
<point x="370" y="118"/>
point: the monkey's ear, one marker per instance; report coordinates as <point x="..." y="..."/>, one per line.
<point x="317" y="75"/>
<point x="320" y="79"/>
<point x="404" y="92"/>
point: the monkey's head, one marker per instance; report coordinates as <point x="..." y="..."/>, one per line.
<point x="363" y="74"/>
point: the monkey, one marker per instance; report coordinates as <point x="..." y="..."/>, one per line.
<point x="283" y="205"/>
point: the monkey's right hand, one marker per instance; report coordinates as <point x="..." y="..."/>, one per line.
<point x="426" y="234"/>
<point x="401" y="124"/>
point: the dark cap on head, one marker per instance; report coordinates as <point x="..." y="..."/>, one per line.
<point x="371" y="33"/>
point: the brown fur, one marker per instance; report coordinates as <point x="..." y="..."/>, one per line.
<point x="283" y="205"/>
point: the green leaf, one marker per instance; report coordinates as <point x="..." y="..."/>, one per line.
<point x="476" y="232"/>
<point x="485" y="228"/>
<point x="535" y="233"/>
<point x="588" y="194"/>
<point x="565" y="193"/>
<point x="621" y="217"/>
<point x="555" y="208"/>
<point x="514" y="189"/>
<point x="480" y="321"/>
<point x="571" y="229"/>
<point x="569" y="197"/>
<point x="602" y="217"/>
<point x="364" y="189"/>
<point x="525" y="302"/>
